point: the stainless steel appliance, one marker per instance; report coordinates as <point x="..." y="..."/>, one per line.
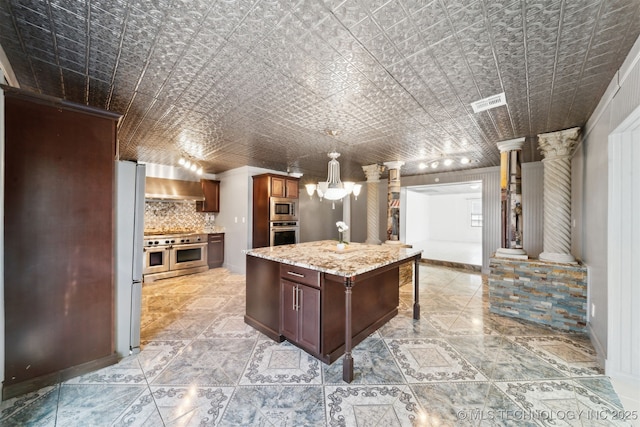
<point x="283" y="209"/>
<point x="130" y="182"/>
<point x="284" y="233"/>
<point x="174" y="254"/>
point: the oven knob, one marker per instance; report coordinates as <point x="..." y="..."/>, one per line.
<point x="173" y="241"/>
<point x="156" y="242"/>
<point x="181" y="240"/>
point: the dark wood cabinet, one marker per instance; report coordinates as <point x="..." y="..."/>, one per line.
<point x="215" y="250"/>
<point x="211" y="190"/>
<point x="265" y="186"/>
<point x="284" y="187"/>
<point x="59" y="240"/>
<point x="300" y="314"/>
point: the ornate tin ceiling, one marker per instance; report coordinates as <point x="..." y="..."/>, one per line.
<point x="265" y="82"/>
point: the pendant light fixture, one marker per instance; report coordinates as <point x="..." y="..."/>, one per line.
<point x="333" y="189"/>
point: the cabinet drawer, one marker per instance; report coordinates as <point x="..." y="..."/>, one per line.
<point x="300" y="275"/>
<point x="215" y="237"/>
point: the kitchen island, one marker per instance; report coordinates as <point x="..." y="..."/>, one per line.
<point x="326" y="300"/>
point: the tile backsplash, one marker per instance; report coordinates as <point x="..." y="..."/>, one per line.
<point x="175" y="216"/>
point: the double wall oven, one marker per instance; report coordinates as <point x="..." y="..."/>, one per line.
<point x="284" y="228"/>
<point x="174" y="254"/>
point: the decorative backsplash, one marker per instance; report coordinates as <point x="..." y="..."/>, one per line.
<point x="163" y="216"/>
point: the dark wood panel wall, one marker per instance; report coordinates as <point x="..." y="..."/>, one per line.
<point x="59" y="236"/>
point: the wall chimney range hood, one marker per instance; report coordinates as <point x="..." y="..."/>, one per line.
<point x="172" y="189"/>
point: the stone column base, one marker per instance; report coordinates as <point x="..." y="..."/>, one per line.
<point x="554" y="257"/>
<point x="373" y="241"/>
<point x="511" y="253"/>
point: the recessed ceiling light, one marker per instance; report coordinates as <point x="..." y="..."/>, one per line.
<point x="447" y="162"/>
<point x="464" y="160"/>
<point x="422" y="166"/>
<point x="434" y="165"/>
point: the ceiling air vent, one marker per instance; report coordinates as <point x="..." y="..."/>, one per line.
<point x="489" y="103"/>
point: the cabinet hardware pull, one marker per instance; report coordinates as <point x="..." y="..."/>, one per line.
<point x="294" y="297"/>
<point x="298" y="290"/>
<point x="295" y="274"/>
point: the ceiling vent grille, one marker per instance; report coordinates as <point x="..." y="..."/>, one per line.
<point x="489" y="103"/>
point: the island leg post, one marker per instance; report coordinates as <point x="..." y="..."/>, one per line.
<point x="416" y="288"/>
<point x="347" y="363"/>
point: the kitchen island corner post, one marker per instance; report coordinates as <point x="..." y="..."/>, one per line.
<point x="347" y="363"/>
<point x="416" y="287"/>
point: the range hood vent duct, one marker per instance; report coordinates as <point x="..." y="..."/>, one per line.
<point x="172" y="189"/>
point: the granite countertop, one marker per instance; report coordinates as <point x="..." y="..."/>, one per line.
<point x="323" y="256"/>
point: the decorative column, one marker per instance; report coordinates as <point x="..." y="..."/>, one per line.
<point x="372" y="172"/>
<point x="556" y="148"/>
<point x="511" y="244"/>
<point x="393" y="203"/>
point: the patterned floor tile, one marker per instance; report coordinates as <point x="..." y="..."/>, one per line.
<point x="561" y="403"/>
<point x="155" y="356"/>
<point x="427" y="360"/>
<point x="281" y="363"/>
<point x="186" y="406"/>
<point x="463" y="403"/>
<point x="371" y="405"/>
<point x="32" y="409"/>
<point x="275" y="406"/>
<point x="602" y="387"/>
<point x="229" y="326"/>
<point x="567" y="355"/>
<point x="94" y="404"/>
<point x="373" y="363"/>
<point x="208" y="363"/>
<point x="405" y="326"/>
<point x="126" y="371"/>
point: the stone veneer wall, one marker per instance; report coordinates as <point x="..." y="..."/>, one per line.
<point x="406" y="274"/>
<point x="542" y="292"/>
<point x="172" y="216"/>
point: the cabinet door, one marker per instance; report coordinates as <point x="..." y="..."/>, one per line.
<point x="211" y="190"/>
<point x="289" y="310"/>
<point x="278" y="188"/>
<point x="215" y="254"/>
<point x="292" y="188"/>
<point x="309" y="318"/>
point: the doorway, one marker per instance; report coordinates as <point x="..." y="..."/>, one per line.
<point x="446" y="222"/>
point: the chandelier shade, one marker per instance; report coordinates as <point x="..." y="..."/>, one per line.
<point x="333" y="189"/>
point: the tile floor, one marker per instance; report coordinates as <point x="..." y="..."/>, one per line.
<point x="458" y="365"/>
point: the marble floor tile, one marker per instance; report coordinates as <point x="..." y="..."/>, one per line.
<point x="275" y="406"/>
<point x="281" y="363"/>
<point x="458" y="365"/>
<point x="561" y="403"/>
<point x="566" y="355"/>
<point x="371" y="405"/>
<point x="375" y="364"/>
<point x="38" y="408"/>
<point x="431" y="359"/>
<point x="464" y="404"/>
<point x="94" y="405"/>
<point x="208" y="363"/>
<point x="501" y="359"/>
<point x="405" y="326"/>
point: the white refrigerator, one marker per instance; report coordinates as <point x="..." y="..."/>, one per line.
<point x="130" y="181"/>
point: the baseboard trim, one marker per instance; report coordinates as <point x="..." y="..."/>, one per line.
<point x="451" y="264"/>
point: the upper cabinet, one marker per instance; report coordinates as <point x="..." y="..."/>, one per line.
<point x="211" y="190"/>
<point x="284" y="187"/>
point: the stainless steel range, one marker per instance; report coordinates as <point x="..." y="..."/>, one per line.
<point x="174" y="254"/>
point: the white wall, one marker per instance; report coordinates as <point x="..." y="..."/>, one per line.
<point x="416" y="217"/>
<point x="449" y="218"/>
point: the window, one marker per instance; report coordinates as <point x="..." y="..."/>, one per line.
<point x="476" y="212"/>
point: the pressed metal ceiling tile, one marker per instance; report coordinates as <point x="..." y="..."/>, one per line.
<point x="260" y="82"/>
